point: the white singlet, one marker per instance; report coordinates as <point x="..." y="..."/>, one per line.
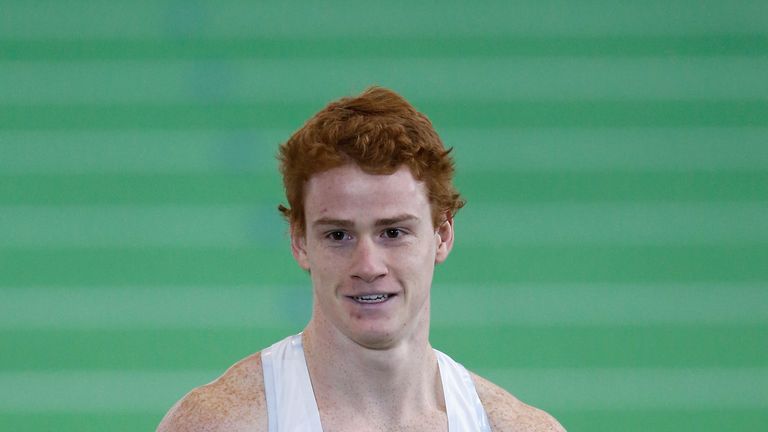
<point x="291" y="404"/>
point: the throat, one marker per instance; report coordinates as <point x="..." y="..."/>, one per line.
<point x="393" y="382"/>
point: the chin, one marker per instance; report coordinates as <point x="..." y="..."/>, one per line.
<point x="375" y="338"/>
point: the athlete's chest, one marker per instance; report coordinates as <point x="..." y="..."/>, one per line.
<point x="349" y="422"/>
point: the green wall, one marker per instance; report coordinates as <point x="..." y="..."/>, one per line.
<point x="611" y="266"/>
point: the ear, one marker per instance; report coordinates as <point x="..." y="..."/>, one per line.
<point x="299" y="248"/>
<point x="444" y="240"/>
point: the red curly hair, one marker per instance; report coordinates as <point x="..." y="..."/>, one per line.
<point x="377" y="130"/>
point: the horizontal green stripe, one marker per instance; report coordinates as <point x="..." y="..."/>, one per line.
<point x="610" y="264"/>
<point x="662" y="420"/>
<point x="147" y="18"/>
<point x="373" y="47"/>
<point x="132" y="226"/>
<point x="147" y="266"/>
<point x="455" y="113"/>
<point x="611" y="346"/>
<point x="143" y="189"/>
<point x="491" y="186"/>
<point x="96" y="391"/>
<point x="631" y="420"/>
<point x="625" y="223"/>
<point x="82" y="422"/>
<point x="527" y="150"/>
<point x="601" y="150"/>
<point x="638" y="389"/>
<point x="612" y="186"/>
<point x="452" y="305"/>
<point x="597" y="304"/>
<point x="478" y="347"/>
<point x="168" y="117"/>
<point x="251" y="151"/>
<point x="24" y="267"/>
<point x="131" y="350"/>
<point x="613" y="224"/>
<point x="156" y="307"/>
<point x="120" y="392"/>
<point x="275" y="80"/>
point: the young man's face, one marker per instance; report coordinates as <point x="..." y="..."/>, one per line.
<point x="371" y="249"/>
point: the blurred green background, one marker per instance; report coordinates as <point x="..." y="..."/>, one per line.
<point x="611" y="265"/>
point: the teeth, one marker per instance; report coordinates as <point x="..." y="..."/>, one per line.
<point x="371" y="298"/>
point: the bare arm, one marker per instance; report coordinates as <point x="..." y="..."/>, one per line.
<point x="508" y="414"/>
<point x="234" y="402"/>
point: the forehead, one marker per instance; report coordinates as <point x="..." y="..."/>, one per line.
<point x="347" y="192"/>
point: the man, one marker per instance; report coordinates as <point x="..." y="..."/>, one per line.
<point x="369" y="185"/>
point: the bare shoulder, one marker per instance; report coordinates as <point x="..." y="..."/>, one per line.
<point x="508" y="414"/>
<point x="233" y="402"/>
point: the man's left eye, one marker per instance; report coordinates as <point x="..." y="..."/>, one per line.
<point x="392" y="233"/>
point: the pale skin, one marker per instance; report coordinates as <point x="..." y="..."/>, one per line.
<point x="371" y="364"/>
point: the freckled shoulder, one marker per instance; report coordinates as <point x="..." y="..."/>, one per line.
<point x="508" y="414"/>
<point x="233" y="402"/>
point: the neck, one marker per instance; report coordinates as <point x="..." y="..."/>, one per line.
<point x="394" y="380"/>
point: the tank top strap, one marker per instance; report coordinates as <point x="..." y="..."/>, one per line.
<point x="291" y="405"/>
<point x="462" y="404"/>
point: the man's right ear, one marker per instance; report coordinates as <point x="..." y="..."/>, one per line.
<point x="299" y="248"/>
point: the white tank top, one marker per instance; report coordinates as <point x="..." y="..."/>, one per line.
<point x="291" y="405"/>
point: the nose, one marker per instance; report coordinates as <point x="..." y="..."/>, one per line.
<point x="368" y="263"/>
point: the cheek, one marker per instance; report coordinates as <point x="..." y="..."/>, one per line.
<point x="427" y="251"/>
<point x="326" y="272"/>
<point x="418" y="264"/>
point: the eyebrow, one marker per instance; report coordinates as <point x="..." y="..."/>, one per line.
<point x="343" y="223"/>
<point x="334" y="222"/>
<point x="396" y="220"/>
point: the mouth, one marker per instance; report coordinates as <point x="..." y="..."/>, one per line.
<point x="372" y="298"/>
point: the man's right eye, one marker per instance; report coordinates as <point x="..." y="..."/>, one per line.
<point x="337" y="235"/>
